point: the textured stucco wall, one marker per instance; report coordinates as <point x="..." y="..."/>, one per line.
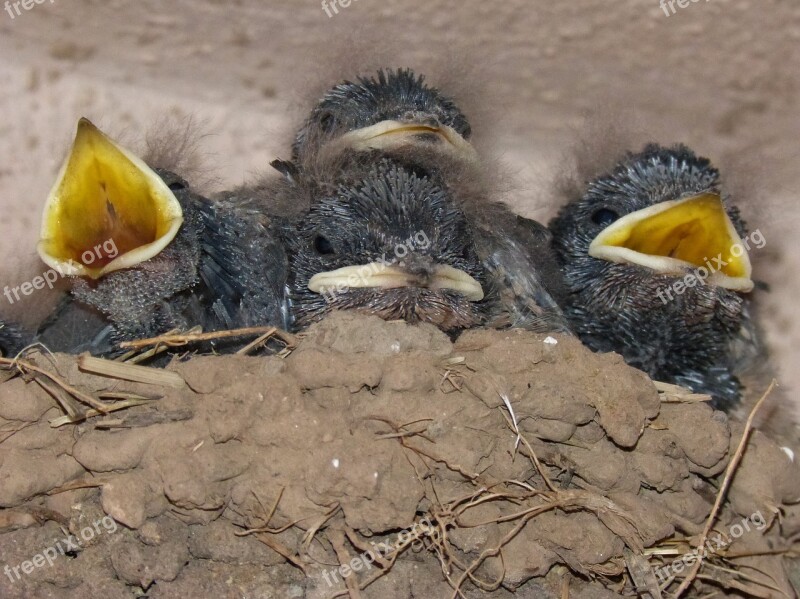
<point x="721" y="75"/>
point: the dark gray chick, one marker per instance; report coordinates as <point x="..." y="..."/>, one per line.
<point x="393" y="110"/>
<point x="390" y="239"/>
<point x="149" y="255"/>
<point x="656" y="267"/>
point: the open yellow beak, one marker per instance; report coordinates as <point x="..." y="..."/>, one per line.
<point x="675" y="236"/>
<point x="390" y="135"/>
<point x="107" y="210"/>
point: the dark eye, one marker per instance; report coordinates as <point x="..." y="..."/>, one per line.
<point x="177" y="185"/>
<point x="327" y="121"/>
<point x="323" y="246"/>
<point x="604" y="217"/>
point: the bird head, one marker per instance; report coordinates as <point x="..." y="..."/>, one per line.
<point x="107" y="210"/>
<point x="391" y="110"/>
<point x="656" y="217"/>
<point x="388" y="242"/>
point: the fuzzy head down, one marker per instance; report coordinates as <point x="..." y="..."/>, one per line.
<point x="392" y="216"/>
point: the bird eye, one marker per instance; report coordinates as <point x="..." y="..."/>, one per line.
<point x="177" y="185"/>
<point x="604" y="217"/>
<point x="327" y="121"/>
<point x="323" y="246"/>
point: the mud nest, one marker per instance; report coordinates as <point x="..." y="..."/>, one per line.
<point x="379" y="459"/>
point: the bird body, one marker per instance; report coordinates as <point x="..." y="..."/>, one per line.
<point x="222" y="267"/>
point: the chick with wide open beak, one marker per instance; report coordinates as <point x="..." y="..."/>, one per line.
<point x="105" y="194"/>
<point x="391" y="135"/>
<point x="385" y="276"/>
<point x="675" y="236"/>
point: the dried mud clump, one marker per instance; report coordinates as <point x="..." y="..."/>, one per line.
<point x="383" y="460"/>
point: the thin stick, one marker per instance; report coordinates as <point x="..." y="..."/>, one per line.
<point x="123" y="405"/>
<point x="183" y="339"/>
<point x="87" y="399"/>
<point x="65" y="401"/>
<point x="337" y="539"/>
<point x="531" y="454"/>
<point x="132" y="357"/>
<point x="257" y="342"/>
<point x="723" y="490"/>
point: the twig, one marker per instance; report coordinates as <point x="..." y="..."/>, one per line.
<point x="729" y="472"/>
<point x="515" y="425"/>
<point x="257" y="342"/>
<point x="283" y="550"/>
<point x="133" y="357"/>
<point x="123" y="405"/>
<point x="315" y="525"/>
<point x="23" y="365"/>
<point x="337" y="539"/>
<point x="492" y="551"/>
<point x="266" y="527"/>
<point x="531" y="454"/>
<point x="84" y="483"/>
<point x="183" y="339"/>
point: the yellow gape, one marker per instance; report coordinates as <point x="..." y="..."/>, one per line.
<point x="671" y="237"/>
<point x="105" y="197"/>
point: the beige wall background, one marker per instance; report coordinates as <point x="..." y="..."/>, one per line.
<point x="720" y="75"/>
